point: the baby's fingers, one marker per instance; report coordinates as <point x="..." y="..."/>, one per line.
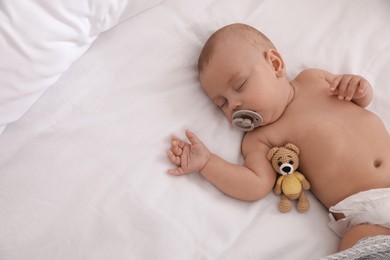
<point x="192" y="137"/>
<point x="173" y="158"/>
<point x="345" y="88"/>
<point x="175" y="148"/>
<point x="362" y="88"/>
<point x="353" y="89"/>
<point x="177" y="172"/>
<point x="335" y="84"/>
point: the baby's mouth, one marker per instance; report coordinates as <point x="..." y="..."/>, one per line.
<point x="246" y="120"/>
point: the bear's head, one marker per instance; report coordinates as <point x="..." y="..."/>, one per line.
<point x="285" y="159"/>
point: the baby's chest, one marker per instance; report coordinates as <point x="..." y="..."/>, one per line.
<point x="313" y="124"/>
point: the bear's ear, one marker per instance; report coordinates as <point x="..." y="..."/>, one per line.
<point x="272" y="152"/>
<point x="292" y="147"/>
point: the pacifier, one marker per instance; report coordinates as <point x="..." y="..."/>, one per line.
<point x="246" y="120"/>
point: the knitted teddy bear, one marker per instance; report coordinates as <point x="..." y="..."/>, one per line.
<point x="291" y="184"/>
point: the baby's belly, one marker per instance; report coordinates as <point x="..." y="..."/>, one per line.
<point x="341" y="182"/>
<point x="341" y="163"/>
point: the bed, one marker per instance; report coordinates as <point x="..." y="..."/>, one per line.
<point x="90" y="93"/>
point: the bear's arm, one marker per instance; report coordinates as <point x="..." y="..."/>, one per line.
<point x="303" y="180"/>
<point x="278" y="186"/>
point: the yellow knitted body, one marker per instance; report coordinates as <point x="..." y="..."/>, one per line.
<point x="291" y="186"/>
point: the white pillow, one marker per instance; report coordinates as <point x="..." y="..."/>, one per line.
<point x="39" y="40"/>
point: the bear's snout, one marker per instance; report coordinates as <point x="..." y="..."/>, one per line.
<point x="286" y="168"/>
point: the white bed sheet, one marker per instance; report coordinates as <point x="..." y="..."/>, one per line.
<point x="39" y="40"/>
<point x="83" y="172"/>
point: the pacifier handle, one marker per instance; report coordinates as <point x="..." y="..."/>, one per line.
<point x="246" y="120"/>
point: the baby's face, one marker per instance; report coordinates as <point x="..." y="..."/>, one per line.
<point x="238" y="76"/>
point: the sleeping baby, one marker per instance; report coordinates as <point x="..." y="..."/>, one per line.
<point x="322" y="113"/>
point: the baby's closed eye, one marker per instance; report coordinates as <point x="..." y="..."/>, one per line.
<point x="221" y="102"/>
<point x="239" y="87"/>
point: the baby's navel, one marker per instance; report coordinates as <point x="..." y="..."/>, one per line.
<point x="377" y="163"/>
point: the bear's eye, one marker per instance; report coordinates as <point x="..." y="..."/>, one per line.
<point x="280" y="163"/>
<point x="291" y="162"/>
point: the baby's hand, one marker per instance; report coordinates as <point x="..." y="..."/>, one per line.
<point x="348" y="87"/>
<point x="188" y="157"/>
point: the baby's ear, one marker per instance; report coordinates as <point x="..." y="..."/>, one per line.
<point x="272" y="152"/>
<point x="274" y="57"/>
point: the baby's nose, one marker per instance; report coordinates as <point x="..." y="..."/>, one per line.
<point x="235" y="105"/>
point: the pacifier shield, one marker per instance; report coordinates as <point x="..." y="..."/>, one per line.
<point x="246" y="120"/>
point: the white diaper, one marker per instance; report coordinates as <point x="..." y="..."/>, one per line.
<point x="367" y="207"/>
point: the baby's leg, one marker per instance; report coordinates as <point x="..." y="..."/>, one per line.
<point x="358" y="232"/>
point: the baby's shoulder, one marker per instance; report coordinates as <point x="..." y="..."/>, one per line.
<point x="255" y="140"/>
<point x="311" y="77"/>
<point x="311" y="74"/>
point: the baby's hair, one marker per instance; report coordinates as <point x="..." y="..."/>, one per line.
<point x="255" y="37"/>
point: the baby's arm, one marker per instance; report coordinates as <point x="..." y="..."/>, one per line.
<point x="347" y="87"/>
<point x="249" y="182"/>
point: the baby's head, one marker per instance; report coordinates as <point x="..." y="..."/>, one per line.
<point x="226" y="34"/>
<point x="240" y="69"/>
